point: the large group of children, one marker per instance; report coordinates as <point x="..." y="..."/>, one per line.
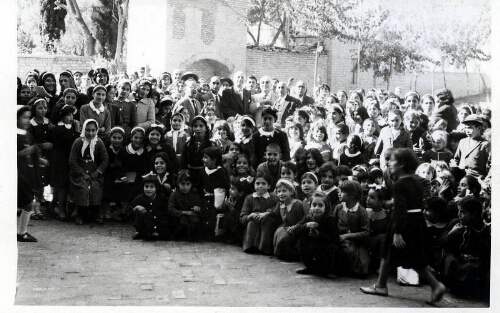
<point x="347" y="182"/>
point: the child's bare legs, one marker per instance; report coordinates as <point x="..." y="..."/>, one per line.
<point x="61" y="199"/>
<point x="438" y="289"/>
<point x="380" y="287"/>
<point x="383" y="274"/>
<point x="22" y="230"/>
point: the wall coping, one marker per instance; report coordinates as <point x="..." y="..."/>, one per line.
<point x="53" y="56"/>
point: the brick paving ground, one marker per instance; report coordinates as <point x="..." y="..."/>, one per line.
<point x="95" y="265"/>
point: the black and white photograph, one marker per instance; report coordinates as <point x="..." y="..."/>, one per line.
<point x="252" y="155"/>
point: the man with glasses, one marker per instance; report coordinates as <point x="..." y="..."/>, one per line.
<point x="213" y="94"/>
<point x="236" y="100"/>
<point x="263" y="100"/>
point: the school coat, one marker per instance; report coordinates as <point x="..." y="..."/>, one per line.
<point x="85" y="192"/>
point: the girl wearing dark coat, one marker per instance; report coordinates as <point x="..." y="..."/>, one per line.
<point x="41" y="130"/>
<point x="319" y="243"/>
<point x="87" y="162"/>
<point x="150" y="211"/>
<point x="213" y="177"/>
<point x="406" y="243"/>
<point x="63" y="137"/>
<point x="288" y="211"/>
<point x="27" y="156"/>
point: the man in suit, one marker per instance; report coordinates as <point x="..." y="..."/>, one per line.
<point x="188" y="101"/>
<point x="285" y="105"/>
<point x="236" y="100"/>
<point x="301" y="90"/>
<point x="213" y="95"/>
<point x="266" y="98"/>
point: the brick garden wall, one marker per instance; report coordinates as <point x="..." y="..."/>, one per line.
<point x="53" y="63"/>
<point x="283" y="65"/>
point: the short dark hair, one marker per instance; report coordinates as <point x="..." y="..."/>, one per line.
<point x="184" y="176"/>
<point x="328" y="167"/>
<point x="344" y="170"/>
<point x="407" y="158"/>
<point x="265" y="176"/>
<point x="472" y="205"/>
<point x="269" y="111"/>
<point x="291" y="166"/>
<point x="214" y="153"/>
<point x="353" y="188"/>
<point x="438" y="206"/>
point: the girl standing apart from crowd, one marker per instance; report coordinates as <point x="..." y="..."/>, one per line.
<point x="406" y="241"/>
<point x="27" y="156"/>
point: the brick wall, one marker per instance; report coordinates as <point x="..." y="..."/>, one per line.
<point x="53" y="63"/>
<point x="283" y="65"/>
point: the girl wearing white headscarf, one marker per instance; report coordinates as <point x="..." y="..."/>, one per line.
<point x="87" y="161"/>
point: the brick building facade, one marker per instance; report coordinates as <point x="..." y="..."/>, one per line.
<point x="203" y="36"/>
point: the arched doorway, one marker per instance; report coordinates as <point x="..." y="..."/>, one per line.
<point x="206" y="68"/>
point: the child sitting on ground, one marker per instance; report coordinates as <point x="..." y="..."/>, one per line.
<point x="354" y="228"/>
<point x="258" y="235"/>
<point x="289" y="211"/>
<point x="319" y="243"/>
<point x="150" y="211"/>
<point x="184" y="206"/>
<point x="230" y="221"/>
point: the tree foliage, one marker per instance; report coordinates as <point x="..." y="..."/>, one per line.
<point x="52" y="24"/>
<point x="466" y="41"/>
<point x="325" y="18"/>
<point x="105" y="27"/>
<point x="388" y="49"/>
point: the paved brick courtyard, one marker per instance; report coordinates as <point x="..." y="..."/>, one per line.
<point x="94" y="265"/>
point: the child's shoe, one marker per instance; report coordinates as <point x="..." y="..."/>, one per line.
<point x="26" y="238"/>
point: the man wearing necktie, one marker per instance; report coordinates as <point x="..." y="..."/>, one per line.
<point x="188" y="101"/>
<point x="214" y="95"/>
<point x="263" y="100"/>
<point x="285" y="105"/>
<point x="236" y="100"/>
<point x="300" y="93"/>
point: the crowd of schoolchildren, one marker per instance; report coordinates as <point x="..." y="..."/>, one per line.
<point x="344" y="183"/>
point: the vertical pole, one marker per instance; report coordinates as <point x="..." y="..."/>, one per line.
<point x="359" y="63"/>
<point x="316" y="65"/>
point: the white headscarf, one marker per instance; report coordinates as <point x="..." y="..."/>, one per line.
<point x="87" y="142"/>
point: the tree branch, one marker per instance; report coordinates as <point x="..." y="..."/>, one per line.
<point x="251" y="35"/>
